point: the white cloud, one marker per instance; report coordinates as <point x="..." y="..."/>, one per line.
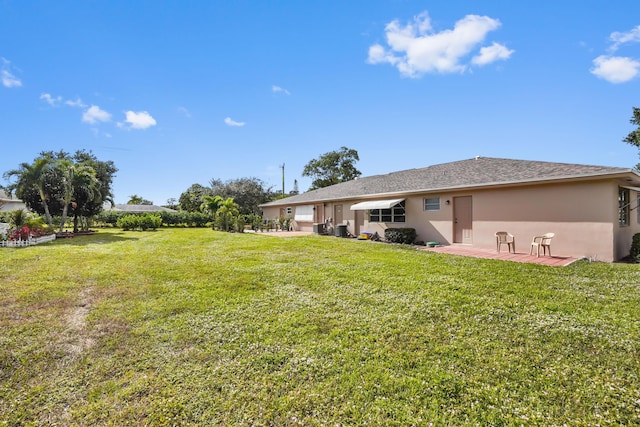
<point x="231" y="122"/>
<point x="489" y="54"/>
<point x="615" y="69"/>
<point x="277" y="89"/>
<point x="139" y="120"/>
<point x="415" y="49"/>
<point x="77" y="103"/>
<point x="54" y="102"/>
<point x="619" y="38"/>
<point x="7" y="78"/>
<point x="94" y="115"/>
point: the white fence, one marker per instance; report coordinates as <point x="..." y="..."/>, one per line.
<point x="21" y="243"/>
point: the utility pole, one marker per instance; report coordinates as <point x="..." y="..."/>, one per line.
<point x="282" y="179"/>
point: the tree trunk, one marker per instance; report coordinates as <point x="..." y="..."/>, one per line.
<point x="47" y="215"/>
<point x="64" y="217"/>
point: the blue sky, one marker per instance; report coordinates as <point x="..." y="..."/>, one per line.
<point x="180" y="92"/>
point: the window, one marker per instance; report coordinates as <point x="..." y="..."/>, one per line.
<point x="623" y="206"/>
<point x="394" y="214"/>
<point x="289" y="211"/>
<point x="432" y="204"/>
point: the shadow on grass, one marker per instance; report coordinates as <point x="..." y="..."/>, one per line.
<point x="95" y="239"/>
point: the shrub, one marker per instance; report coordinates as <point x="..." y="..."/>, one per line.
<point x="400" y="235"/>
<point x="255" y="221"/>
<point x="142" y="222"/>
<point x="128" y="222"/>
<point x="284" y="222"/>
<point x="150" y="222"/>
<point x="635" y="247"/>
<point x="108" y="218"/>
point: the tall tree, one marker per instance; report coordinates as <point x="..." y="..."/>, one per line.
<point x="332" y="168"/>
<point x="87" y="205"/>
<point x="191" y="199"/>
<point x="210" y="204"/>
<point x="76" y="179"/>
<point x="138" y="200"/>
<point x="634" y="136"/>
<point x="247" y="193"/>
<point x="32" y="177"/>
<point x="86" y="200"/>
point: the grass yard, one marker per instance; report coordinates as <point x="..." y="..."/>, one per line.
<point x="195" y="327"/>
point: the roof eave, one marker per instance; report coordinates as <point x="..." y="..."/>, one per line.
<point x="565" y="178"/>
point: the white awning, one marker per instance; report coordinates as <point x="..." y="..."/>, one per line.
<point x="304" y="213"/>
<point x="632" y="188"/>
<point x="375" y="204"/>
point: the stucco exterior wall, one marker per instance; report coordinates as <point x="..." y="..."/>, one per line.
<point x="582" y="214"/>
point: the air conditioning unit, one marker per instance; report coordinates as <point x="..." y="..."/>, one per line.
<point x="319" y="228"/>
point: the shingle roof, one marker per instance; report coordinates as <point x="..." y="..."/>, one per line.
<point x="476" y="172"/>
<point x="139" y="208"/>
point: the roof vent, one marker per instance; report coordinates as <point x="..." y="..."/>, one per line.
<point x="477" y="157"/>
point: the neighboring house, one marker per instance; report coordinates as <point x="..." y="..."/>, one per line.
<point x="9" y="203"/>
<point x="137" y="208"/>
<point x="593" y="210"/>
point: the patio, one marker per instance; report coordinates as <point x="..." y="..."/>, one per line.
<point x="465" y="250"/>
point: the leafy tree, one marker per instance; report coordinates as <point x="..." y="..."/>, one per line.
<point x="332" y="168"/>
<point x="634" y="136"/>
<point x="247" y="193"/>
<point x="87" y="204"/>
<point x="76" y="179"/>
<point x="32" y="178"/>
<point x="138" y="200"/>
<point x="191" y="199"/>
<point x="87" y="199"/>
<point x="172" y="203"/>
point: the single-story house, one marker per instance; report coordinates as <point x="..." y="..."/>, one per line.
<point x="10" y="203"/>
<point x="593" y="210"/>
<point x="136" y="208"/>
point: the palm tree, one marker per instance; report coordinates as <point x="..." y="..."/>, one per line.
<point x="75" y="178"/>
<point x="29" y="176"/>
<point x="226" y="214"/>
<point x="210" y="204"/>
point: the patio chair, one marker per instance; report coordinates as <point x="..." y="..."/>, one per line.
<point x="504" y="238"/>
<point x="543" y="242"/>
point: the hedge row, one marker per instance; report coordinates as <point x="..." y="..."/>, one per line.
<point x="168" y="219"/>
<point x="139" y="222"/>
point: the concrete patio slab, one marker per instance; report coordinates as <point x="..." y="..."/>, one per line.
<point x="465" y="250"/>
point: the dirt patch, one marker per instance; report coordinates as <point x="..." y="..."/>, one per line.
<point x="78" y="338"/>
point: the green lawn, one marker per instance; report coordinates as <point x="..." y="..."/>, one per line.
<point x="196" y="327"/>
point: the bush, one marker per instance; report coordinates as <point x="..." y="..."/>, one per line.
<point x="128" y="222"/>
<point x="284" y="222"/>
<point x="142" y="222"/>
<point x="635" y="247"/>
<point x="255" y="221"/>
<point x="150" y="222"/>
<point x="400" y="235"/>
<point x="174" y="219"/>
